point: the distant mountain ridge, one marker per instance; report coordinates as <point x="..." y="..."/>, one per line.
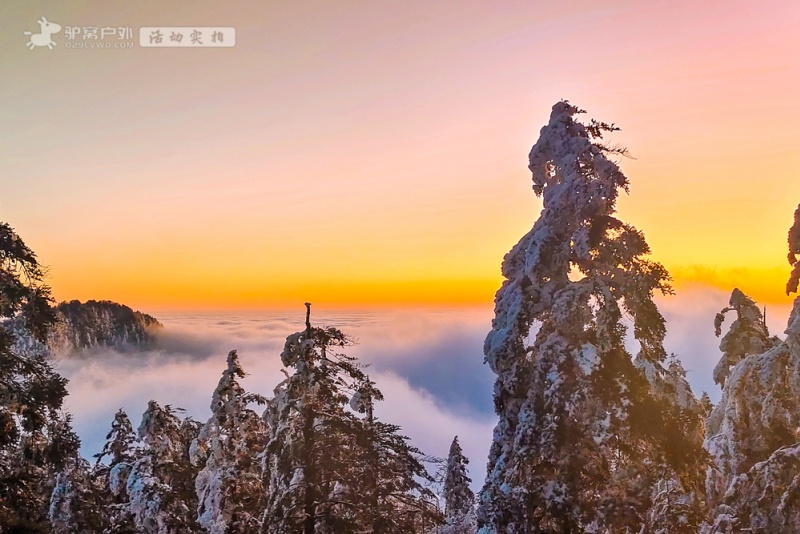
<point x="100" y="323"/>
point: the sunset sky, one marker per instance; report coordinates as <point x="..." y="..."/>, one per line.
<point x="375" y="153"/>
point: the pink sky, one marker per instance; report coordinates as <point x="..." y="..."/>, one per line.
<point x="375" y="152"/>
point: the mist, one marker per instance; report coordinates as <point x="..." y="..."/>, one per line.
<point x="428" y="363"/>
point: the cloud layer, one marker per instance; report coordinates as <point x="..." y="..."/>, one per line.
<point x="429" y="364"/>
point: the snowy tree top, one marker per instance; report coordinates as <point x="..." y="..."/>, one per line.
<point x="577" y="229"/>
<point x="120" y="440"/>
<point x="747" y="335"/>
<point x="161" y="430"/>
<point x="794" y="251"/>
<point x="459" y="499"/>
<point x="567" y="389"/>
<point x="230" y="398"/>
<point x="566" y="149"/>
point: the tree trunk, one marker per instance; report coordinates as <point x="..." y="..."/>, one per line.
<point x="309" y="474"/>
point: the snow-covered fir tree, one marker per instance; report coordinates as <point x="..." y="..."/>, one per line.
<point x="95" y="499"/>
<point x="391" y="477"/>
<point x="583" y="440"/>
<point x="78" y="502"/>
<point x="160" y="484"/>
<point x="329" y="470"/>
<point x="114" y="463"/>
<point x="677" y="498"/>
<point x="36" y="438"/>
<point x="748" y="334"/>
<point x="794" y="251"/>
<point x="310" y="435"/>
<point x="459" y="507"/>
<point x="121" y="442"/>
<point x="752" y="433"/>
<point x="229" y="486"/>
<point x="705" y="402"/>
<point x="727" y="441"/>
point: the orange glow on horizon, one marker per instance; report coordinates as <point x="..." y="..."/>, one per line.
<point x="288" y="294"/>
<point x="765" y="286"/>
<point x="367" y="154"/>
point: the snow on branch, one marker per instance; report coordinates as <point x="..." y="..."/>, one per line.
<point x="794" y="250"/>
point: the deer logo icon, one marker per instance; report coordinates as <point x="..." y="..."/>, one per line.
<point x="43" y="38"/>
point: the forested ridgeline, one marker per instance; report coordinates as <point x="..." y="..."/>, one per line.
<point x="85" y="325"/>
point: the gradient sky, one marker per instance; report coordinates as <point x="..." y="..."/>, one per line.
<point x="375" y="152"/>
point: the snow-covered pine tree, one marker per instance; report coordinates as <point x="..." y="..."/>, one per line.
<point x="582" y="440"/>
<point x="87" y="499"/>
<point x="311" y="436"/>
<point x="705" y="402"/>
<point x="160" y="485"/>
<point x="78" y="503"/>
<point x="120" y="452"/>
<point x="731" y="440"/>
<point x="329" y="470"/>
<point x="794" y="251"/>
<point x="390" y="488"/>
<point x="752" y="433"/>
<point x="678" y="500"/>
<point x="229" y="486"/>
<point x="748" y="334"/>
<point x="36" y="438"/>
<point x="121" y="443"/>
<point x="459" y="507"/>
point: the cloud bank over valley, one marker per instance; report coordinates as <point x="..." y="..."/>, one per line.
<point x="428" y="363"/>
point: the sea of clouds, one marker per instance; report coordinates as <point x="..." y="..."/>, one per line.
<point x="428" y="363"/>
